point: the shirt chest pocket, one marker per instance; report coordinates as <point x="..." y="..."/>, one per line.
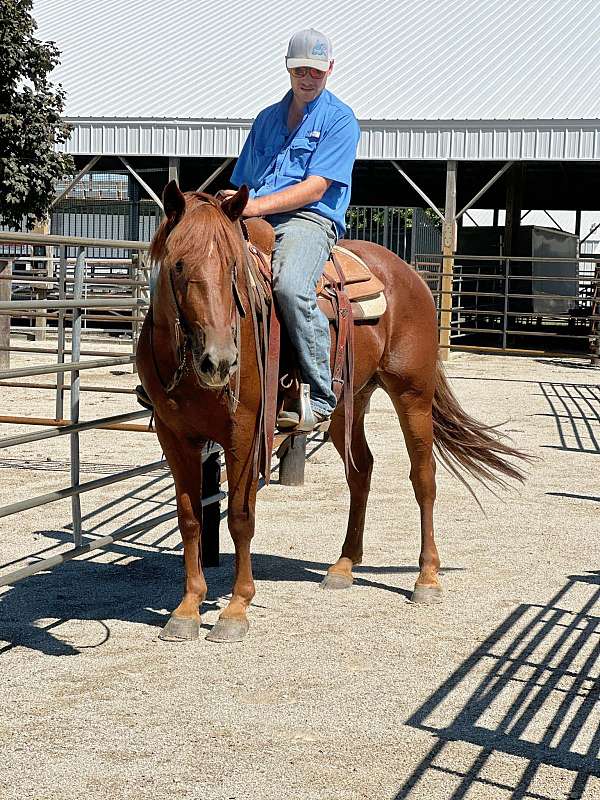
<point x="298" y="157"/>
<point x="265" y="157"/>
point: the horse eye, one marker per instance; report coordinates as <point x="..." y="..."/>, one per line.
<point x="178" y="266"/>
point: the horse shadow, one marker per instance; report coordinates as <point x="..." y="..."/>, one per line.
<point x="137" y="586"/>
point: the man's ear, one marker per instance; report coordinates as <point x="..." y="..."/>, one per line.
<point x="173" y="203"/>
<point x="234" y="206"/>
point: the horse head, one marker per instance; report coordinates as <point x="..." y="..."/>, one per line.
<point x="198" y="250"/>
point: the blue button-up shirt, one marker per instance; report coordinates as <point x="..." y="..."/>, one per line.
<point x="324" y="144"/>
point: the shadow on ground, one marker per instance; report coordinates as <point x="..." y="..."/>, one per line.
<point x="533" y="690"/>
<point x="575" y="408"/>
<point x="137" y="590"/>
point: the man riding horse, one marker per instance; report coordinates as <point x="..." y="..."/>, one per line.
<point x="297" y="161"/>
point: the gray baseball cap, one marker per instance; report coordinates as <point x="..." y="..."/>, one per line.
<point x="309" y="48"/>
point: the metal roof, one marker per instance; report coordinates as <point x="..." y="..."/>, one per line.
<point x="452" y="79"/>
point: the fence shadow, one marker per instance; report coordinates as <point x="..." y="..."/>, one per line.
<point x="567" y="363"/>
<point x="576" y="411"/>
<point x="533" y="691"/>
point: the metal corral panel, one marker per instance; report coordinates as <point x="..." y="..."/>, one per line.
<point x="459" y="79"/>
<point x="534" y="284"/>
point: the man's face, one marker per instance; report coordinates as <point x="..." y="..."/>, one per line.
<point x="309" y="85"/>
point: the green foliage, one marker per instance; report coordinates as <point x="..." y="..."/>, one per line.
<point x="359" y="218"/>
<point x="30" y="119"/>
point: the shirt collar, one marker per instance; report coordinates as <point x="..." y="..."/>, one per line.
<point x="287" y="99"/>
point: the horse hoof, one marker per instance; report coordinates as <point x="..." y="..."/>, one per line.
<point x="335" y="580"/>
<point x="228" y="630"/>
<point x="180" y="629"/>
<point x="427" y="595"/>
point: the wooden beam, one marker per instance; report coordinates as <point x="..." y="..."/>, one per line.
<point x="448" y="250"/>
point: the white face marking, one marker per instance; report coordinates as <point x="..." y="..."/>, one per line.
<point x="210" y="249"/>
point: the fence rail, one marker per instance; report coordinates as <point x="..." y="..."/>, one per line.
<point x="54" y="275"/>
<point x="500" y="303"/>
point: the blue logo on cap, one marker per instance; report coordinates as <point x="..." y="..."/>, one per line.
<point x="320" y="49"/>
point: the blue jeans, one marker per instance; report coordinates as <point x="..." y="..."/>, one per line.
<point x="303" y="242"/>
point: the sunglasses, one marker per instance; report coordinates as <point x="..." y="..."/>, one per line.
<point x="301" y="72"/>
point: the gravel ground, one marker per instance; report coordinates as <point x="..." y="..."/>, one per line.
<point x="333" y="696"/>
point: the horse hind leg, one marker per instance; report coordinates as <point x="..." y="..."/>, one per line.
<point x="414" y="413"/>
<point x="339" y="575"/>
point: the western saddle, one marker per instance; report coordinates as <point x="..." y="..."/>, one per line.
<point x="348" y="292"/>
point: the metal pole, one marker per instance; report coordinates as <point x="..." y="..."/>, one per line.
<point x="386" y="226"/>
<point x="5" y="294"/>
<point x="75" y="381"/>
<point x="135" y="326"/>
<point x="505" y="311"/>
<point x="448" y="250"/>
<point x="62" y="293"/>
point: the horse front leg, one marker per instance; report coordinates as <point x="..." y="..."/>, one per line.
<point x="233" y="624"/>
<point x="185" y="462"/>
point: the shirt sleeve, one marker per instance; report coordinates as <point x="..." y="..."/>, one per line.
<point x="335" y="153"/>
<point x="245" y="168"/>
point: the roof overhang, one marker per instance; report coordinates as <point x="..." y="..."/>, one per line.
<point x="463" y="140"/>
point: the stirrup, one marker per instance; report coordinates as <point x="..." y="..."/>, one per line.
<point x="305" y="419"/>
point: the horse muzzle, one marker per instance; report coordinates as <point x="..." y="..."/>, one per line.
<point x="214" y="368"/>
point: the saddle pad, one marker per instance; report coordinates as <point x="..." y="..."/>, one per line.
<point x="358" y="278"/>
<point x="353" y="267"/>
<point x="368" y="308"/>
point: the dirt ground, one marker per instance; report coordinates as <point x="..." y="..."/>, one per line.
<point x="333" y="695"/>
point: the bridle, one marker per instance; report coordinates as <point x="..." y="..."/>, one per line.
<point x="183" y="337"/>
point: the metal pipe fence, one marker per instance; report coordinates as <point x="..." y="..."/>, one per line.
<point x="499" y="303"/>
<point x="505" y="304"/>
<point x="69" y="292"/>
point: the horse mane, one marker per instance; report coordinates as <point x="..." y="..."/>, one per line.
<point x="207" y="224"/>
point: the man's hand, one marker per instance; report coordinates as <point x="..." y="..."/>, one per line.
<point x="253" y="208"/>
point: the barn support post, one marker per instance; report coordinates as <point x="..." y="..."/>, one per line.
<point x="42" y="226"/>
<point x="174" y="164"/>
<point x="514" y="208"/>
<point x="448" y="250"/>
<point x="5" y="294"/>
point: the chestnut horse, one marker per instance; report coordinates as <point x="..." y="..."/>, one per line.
<point x="198" y="250"/>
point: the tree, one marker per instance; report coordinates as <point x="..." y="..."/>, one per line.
<point x="30" y="119"/>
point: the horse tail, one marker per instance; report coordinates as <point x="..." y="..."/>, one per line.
<point x="465" y="445"/>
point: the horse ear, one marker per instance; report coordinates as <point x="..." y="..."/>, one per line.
<point x="234" y="206"/>
<point x="173" y="202"/>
